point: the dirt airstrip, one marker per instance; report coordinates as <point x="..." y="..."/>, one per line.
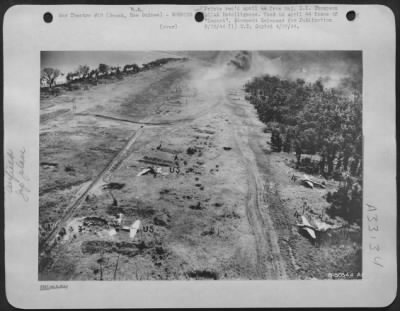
<point x="215" y="205"/>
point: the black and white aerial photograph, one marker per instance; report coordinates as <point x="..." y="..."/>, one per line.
<point x="200" y="165"/>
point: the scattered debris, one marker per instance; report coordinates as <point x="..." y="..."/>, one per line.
<point x="113" y="186"/>
<point x="164" y="191"/>
<point x="156" y="161"/>
<point x="197" y="206"/>
<point x="169" y="150"/>
<point x="159" y="170"/>
<point x="115" y="202"/>
<point x="161" y="220"/>
<point x="204" y="131"/>
<point x="129" y="249"/>
<point x="112" y="232"/>
<point x="191" y="150"/>
<point x="232" y="215"/>
<point x="69" y="168"/>
<point x="210" y="231"/>
<point x="48" y="165"/>
<point x="94" y="221"/>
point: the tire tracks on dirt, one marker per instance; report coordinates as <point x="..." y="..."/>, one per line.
<point x="135" y="122"/>
<point x="270" y="264"/>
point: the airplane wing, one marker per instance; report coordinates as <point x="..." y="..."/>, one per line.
<point x="310" y="231"/>
<point x="305" y="221"/>
<point x="134" y="228"/>
<point x="143" y="172"/>
<point x="322" y="226"/>
<point x="308" y="183"/>
<point x="307" y="226"/>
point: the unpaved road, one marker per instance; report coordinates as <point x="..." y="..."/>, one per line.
<point x="207" y="103"/>
<point x="270" y="264"/>
<point x="227" y="92"/>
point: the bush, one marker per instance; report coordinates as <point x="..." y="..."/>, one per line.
<point x="276" y="141"/>
<point x="347" y="202"/>
<point x="191" y="150"/>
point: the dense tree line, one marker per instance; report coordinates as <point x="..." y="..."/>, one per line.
<point x="308" y="118"/>
<point x="85" y="73"/>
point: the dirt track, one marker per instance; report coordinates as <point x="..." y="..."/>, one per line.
<point x="270" y="264"/>
<point x="203" y="94"/>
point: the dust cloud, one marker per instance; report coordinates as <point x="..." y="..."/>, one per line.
<point x="332" y="68"/>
